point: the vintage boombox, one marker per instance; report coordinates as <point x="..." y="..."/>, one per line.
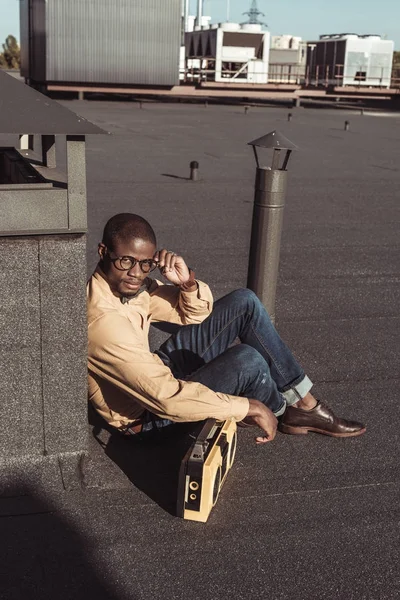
<point x="204" y="469"/>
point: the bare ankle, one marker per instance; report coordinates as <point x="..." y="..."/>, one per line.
<point x="306" y="403"/>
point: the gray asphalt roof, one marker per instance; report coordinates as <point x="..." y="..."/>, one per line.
<point x="304" y="517"/>
<point x="24" y="110"/>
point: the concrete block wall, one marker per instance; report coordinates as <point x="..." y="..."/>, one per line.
<point x="43" y="349"/>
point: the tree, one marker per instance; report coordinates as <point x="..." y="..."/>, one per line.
<point x="396" y="57"/>
<point x="11" y="56"/>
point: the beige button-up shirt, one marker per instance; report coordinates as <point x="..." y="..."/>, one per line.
<point x="125" y="377"/>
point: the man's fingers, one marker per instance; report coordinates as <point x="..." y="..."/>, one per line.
<point x="166" y="259"/>
<point x="161" y="257"/>
<point x="170" y="260"/>
<point x="172" y="266"/>
<point x="263" y="440"/>
<point x="268" y="427"/>
<point x="266" y="438"/>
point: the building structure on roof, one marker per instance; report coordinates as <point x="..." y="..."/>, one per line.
<point x="192" y="23"/>
<point x="350" y="59"/>
<point x="122" y="42"/>
<point x="228" y="52"/>
<point x="285" y="42"/>
<point x="287" y="59"/>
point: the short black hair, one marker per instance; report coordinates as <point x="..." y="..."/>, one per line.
<point x="126" y="226"/>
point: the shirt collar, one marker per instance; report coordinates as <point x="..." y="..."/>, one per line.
<point x="123" y="299"/>
<point x="126" y="299"/>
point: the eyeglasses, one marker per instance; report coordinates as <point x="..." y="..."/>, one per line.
<point x="125" y="263"/>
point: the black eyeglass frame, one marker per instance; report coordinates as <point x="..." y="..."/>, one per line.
<point x="134" y="261"/>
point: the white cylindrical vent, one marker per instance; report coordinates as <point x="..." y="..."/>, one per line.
<point x="229" y="26"/>
<point x="251" y="27"/>
<point x="199" y="12"/>
<point x="185" y="14"/>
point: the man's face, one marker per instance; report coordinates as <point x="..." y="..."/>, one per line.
<point x="126" y="283"/>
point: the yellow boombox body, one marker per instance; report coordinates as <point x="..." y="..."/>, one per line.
<point x="204" y="469"/>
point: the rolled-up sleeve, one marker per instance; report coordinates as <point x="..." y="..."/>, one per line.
<point x="117" y="357"/>
<point x="169" y="303"/>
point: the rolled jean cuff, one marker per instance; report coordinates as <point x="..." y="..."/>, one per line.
<point x="280" y="410"/>
<point x="298" y="391"/>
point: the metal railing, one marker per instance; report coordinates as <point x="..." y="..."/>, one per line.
<point x="326" y="76"/>
<point x="289" y="74"/>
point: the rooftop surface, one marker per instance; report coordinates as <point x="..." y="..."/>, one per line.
<point x="24" y="110"/>
<point x="305" y="517"/>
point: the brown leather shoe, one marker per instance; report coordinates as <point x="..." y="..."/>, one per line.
<point x="320" y="419"/>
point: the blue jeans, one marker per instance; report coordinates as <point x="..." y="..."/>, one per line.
<point x="261" y="367"/>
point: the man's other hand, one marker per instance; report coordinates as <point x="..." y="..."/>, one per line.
<point x="264" y="418"/>
<point x="172" y="266"/>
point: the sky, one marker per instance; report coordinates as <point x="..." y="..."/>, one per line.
<point x="305" y="18"/>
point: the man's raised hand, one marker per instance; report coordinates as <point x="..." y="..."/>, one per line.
<point x="172" y="266"/>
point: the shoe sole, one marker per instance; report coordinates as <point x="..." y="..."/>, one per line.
<point x="304" y="431"/>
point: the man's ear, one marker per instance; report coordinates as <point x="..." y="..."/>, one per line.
<point x="102" y="250"/>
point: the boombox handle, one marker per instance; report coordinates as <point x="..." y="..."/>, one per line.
<point x="201" y="445"/>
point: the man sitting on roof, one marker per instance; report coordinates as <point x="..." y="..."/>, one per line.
<point x="197" y="373"/>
